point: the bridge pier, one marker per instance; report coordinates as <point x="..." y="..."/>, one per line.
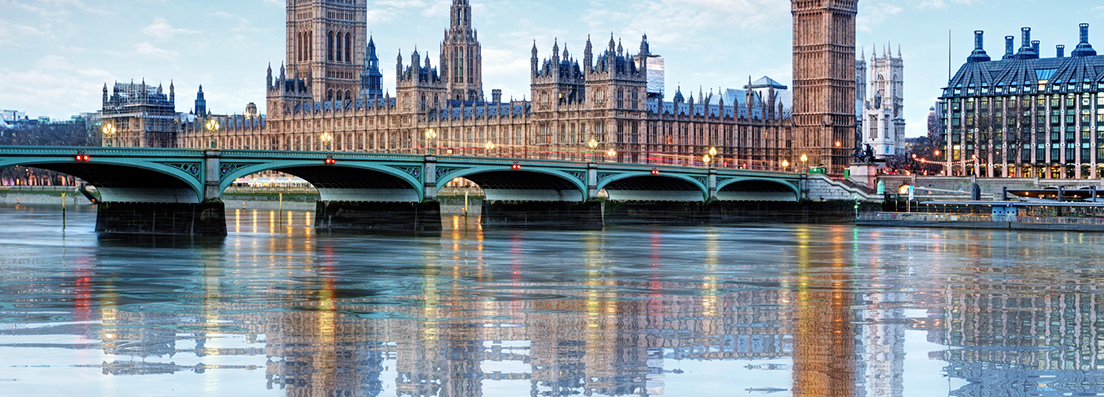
<point x="365" y="217"/>
<point x="206" y="219"/>
<point x="555" y="215"/>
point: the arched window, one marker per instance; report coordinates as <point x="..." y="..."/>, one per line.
<point x="348" y="47"/>
<point x="330" y="46"/>
<point x="340" y="38"/>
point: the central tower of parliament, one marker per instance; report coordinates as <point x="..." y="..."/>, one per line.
<point x="330" y="85"/>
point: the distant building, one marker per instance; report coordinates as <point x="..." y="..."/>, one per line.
<point x="11" y="116"/>
<point x="656" y="72"/>
<point x="1026" y="116"/>
<point x="141" y="115"/>
<point x="882" y="121"/>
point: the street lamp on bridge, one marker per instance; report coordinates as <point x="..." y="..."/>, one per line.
<point x="213" y="127"/>
<point x="326" y="139"/>
<point x="804" y="159"/>
<point x="490" y="147"/>
<point x="430" y="135"/>
<point x="108" y="132"/>
<point x="712" y="156"/>
<point x="785" y="165"/>
<point x="593" y="144"/>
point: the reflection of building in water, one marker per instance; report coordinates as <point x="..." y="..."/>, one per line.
<point x="1024" y="337"/>
<point x="598" y="335"/>
<point x="600" y="344"/>
<point x="824" y="354"/>
<point x="881" y="346"/>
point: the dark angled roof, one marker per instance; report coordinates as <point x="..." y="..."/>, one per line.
<point x="1023" y="76"/>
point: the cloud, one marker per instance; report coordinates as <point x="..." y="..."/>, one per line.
<point x="55" y="83"/>
<point x="161" y="29"/>
<point x="678" y="22"/>
<point x="149" y="49"/>
<point x="942" y="4"/>
<point x="874" y="14"/>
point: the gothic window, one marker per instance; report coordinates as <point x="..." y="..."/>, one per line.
<point x="348" y="48"/>
<point x="620" y="98"/>
<point x="340" y="38"/>
<point x="330" y="46"/>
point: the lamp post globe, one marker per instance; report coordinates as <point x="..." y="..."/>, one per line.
<point x="108" y="132"/>
<point x="213" y="127"/>
<point x="326" y="138"/>
<point x="430" y="135"/>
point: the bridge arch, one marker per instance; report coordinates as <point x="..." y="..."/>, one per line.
<point x="124" y="180"/>
<point x="344" y="181"/>
<point x="757" y="189"/>
<point x="504" y="183"/>
<point x="645" y="186"/>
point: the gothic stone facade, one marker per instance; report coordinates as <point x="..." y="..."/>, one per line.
<point x="883" y="121"/>
<point x="602" y="97"/>
<point x="824" y="81"/>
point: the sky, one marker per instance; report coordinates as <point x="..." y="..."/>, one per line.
<point x="58" y="54"/>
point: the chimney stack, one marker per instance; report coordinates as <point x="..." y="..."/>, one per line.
<point x="979" y="54"/>
<point x="1084" y="49"/>
<point x="1009" y="46"/>
<point x="1061" y="51"/>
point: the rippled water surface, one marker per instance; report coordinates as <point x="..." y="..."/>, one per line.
<point x="276" y="309"/>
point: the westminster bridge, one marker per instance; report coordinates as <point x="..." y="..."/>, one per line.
<point x="178" y="191"/>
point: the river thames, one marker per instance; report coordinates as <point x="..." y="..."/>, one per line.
<point x="803" y="310"/>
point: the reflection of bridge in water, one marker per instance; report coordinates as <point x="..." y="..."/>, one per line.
<point x="178" y="191"/>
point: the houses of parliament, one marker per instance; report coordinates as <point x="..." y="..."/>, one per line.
<point x="606" y="104"/>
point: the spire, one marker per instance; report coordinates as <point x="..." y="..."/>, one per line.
<point x="533" y="61"/>
<point x="588" y="56"/>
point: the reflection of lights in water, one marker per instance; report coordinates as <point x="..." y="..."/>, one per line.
<point x="272" y="221"/>
<point x="709" y="283"/>
<point x="237" y="220"/>
<point x="254" y="221"/>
